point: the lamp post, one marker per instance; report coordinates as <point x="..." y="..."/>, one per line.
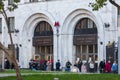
<point x="106" y="29"/>
<point x="17" y="47"/>
<point x="115" y="51"/>
<point x="56" y="24"/>
<point x="17" y="52"/>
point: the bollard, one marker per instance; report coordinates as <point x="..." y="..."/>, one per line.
<point x="56" y="78"/>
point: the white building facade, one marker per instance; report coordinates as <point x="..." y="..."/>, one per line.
<point x="62" y="18"/>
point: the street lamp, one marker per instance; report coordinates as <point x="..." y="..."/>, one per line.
<point x="17" y="52"/>
<point x="16" y="46"/>
<point x="115" y="51"/>
<point x="56" y="24"/>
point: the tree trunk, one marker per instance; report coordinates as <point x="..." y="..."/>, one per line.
<point x="13" y="59"/>
<point x="18" y="74"/>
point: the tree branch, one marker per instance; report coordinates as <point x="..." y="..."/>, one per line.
<point x="114" y="3"/>
<point x="7" y="23"/>
<point x="6" y="51"/>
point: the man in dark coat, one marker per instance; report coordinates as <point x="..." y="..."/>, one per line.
<point x="79" y="65"/>
<point x="68" y="65"/>
<point x="7" y="63"/>
<point x="58" y="65"/>
<point x="102" y="66"/>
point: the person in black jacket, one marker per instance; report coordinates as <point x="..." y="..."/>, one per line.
<point x="58" y="65"/>
<point x="7" y="63"/>
<point x="79" y="65"/>
<point x="102" y="66"/>
<point x="68" y="65"/>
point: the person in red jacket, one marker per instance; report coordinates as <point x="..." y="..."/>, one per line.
<point x="108" y="67"/>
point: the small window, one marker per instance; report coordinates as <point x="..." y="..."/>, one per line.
<point x="10" y="2"/>
<point x="11" y="24"/>
<point x="33" y="0"/>
<point x="90" y="23"/>
<point x="0" y="25"/>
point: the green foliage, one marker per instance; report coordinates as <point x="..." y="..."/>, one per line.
<point x="98" y="4"/>
<point x="1" y="5"/>
<point x="16" y="1"/>
<point x="10" y="7"/>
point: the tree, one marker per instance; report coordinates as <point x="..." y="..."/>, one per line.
<point x="100" y="3"/>
<point x="3" y="10"/>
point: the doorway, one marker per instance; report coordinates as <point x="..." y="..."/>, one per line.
<point x="43" y="43"/>
<point x="85" y="41"/>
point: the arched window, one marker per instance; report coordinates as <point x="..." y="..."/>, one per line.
<point x="85" y="26"/>
<point x="43" y="29"/>
<point x="85" y="40"/>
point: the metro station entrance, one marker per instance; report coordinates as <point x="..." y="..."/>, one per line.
<point x="85" y="41"/>
<point x="43" y="43"/>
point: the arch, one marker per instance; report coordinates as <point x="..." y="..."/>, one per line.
<point x="85" y="40"/>
<point x="34" y="19"/>
<point x="68" y="31"/>
<point x="43" y="28"/>
<point x="28" y="32"/>
<point x="43" y="43"/>
<point x="76" y="15"/>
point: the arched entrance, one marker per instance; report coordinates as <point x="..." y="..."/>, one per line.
<point x="43" y="42"/>
<point x="85" y="40"/>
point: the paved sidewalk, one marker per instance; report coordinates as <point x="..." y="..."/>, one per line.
<point x="5" y="75"/>
<point x="13" y="74"/>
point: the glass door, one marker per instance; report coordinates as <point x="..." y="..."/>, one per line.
<point x="84" y="52"/>
<point x="44" y="53"/>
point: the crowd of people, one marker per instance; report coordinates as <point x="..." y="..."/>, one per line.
<point x="40" y="65"/>
<point x="80" y="66"/>
<point x="108" y="67"/>
<point x="8" y="64"/>
<point x="104" y="67"/>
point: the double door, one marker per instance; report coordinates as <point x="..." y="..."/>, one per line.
<point x="85" y="52"/>
<point x="44" y="53"/>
